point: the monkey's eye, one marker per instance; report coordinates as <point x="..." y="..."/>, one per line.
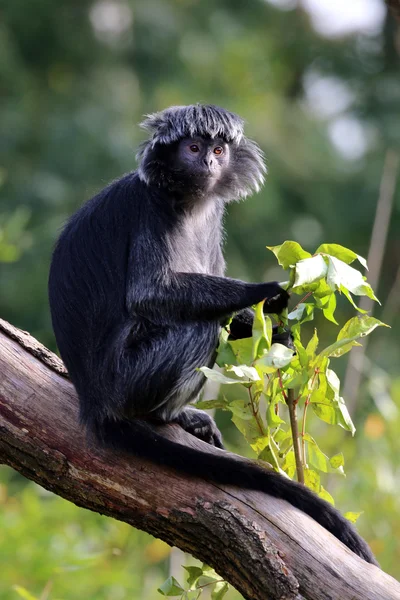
<point x="218" y="150"/>
<point x="194" y="148"/>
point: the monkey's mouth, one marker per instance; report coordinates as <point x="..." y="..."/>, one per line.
<point x="206" y="173"/>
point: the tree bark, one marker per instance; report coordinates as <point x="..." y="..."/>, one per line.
<point x="264" y="547"/>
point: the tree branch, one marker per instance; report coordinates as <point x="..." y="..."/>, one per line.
<point x="266" y="548"/>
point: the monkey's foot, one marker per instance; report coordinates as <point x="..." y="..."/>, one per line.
<point x="201" y="425"/>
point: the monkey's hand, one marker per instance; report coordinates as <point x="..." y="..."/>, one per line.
<point x="277" y="302"/>
<point x="201" y="425"/>
<point x="282" y="337"/>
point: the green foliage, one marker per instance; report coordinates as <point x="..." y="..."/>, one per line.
<point x="274" y="370"/>
<point x="198" y="580"/>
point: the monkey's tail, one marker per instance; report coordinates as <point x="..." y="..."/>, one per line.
<point x="139" y="438"/>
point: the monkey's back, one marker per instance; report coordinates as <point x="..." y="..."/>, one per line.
<point x="111" y="251"/>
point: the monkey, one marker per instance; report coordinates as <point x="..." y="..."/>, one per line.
<point x="138" y="296"/>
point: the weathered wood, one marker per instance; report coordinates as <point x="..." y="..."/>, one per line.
<point x="266" y="548"/>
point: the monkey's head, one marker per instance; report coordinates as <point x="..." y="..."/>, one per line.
<point x="199" y="150"/>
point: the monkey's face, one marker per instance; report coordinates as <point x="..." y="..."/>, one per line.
<point x="202" y="161"/>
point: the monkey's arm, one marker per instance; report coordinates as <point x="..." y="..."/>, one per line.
<point x="206" y="296"/>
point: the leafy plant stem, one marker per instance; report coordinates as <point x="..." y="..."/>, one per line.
<point x="302" y="300"/>
<point x="256" y="413"/>
<point x="281" y="386"/>
<point x="291" y="402"/>
<point x="303" y="424"/>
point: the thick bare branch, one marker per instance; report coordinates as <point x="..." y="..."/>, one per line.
<point x="266" y="548"/>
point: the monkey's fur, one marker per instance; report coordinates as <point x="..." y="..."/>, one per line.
<point x="138" y="294"/>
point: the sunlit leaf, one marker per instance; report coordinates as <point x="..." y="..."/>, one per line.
<point x="344" y="418"/>
<point x="303" y="313"/>
<point x="312" y="480"/>
<point x="253" y="432"/>
<point x="289" y="253"/>
<point x="312" y="345"/>
<point x="194" y="574"/>
<point x="342" y="275"/>
<point x="243" y="350"/>
<point x="325" y="495"/>
<point x="344" y="254"/>
<point x="262" y="331"/>
<point x="170" y="587"/>
<point x="273" y="419"/>
<point x="329" y="309"/>
<point x="220" y="589"/>
<point x="310" y="270"/>
<point x="244" y="372"/>
<point x="241" y="409"/>
<point x="278" y="356"/>
<point x="337" y="461"/>
<point x="353" y="516"/>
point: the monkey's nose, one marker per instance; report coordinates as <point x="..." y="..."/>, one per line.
<point x="207" y="160"/>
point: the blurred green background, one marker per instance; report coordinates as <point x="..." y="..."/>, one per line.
<point x="318" y="84"/>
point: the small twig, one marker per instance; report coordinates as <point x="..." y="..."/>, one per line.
<point x="291" y="402"/>
<point x="281" y="386"/>
<point x="302" y="300"/>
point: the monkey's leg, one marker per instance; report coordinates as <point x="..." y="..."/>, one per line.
<point x="201" y="425"/>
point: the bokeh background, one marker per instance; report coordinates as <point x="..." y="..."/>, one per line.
<point x="318" y="84"/>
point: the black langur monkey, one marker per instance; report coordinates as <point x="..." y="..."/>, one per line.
<point x="138" y="295"/>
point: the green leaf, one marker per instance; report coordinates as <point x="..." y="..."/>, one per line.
<point x="340" y="275"/>
<point x="226" y="355"/>
<point x="301" y="353"/>
<point x="312" y="480"/>
<point x="337" y="461"/>
<point x="250" y="429"/>
<point x="329" y="310"/>
<point x="317" y="458"/>
<point x="344" y="254"/>
<point x="289" y="464"/>
<point x="243" y="350"/>
<point x="355" y="328"/>
<point x="244" y="372"/>
<point x="21" y="591"/>
<point x="325" y="495"/>
<point x="220" y="589"/>
<point x="273" y="419"/>
<point x="262" y="331"/>
<point x="192" y="594"/>
<point x="170" y="587"/>
<point x="289" y="253"/>
<point x="333" y="381"/>
<point x="359" y="327"/>
<point x="241" y="409"/>
<point x="320" y="461"/>
<point x="312" y="345"/>
<point x="352" y="516"/>
<point x="194" y="574"/>
<point x="223" y="379"/>
<point x="303" y="313"/>
<point x="310" y="270"/>
<point x="344" y="418"/>
<point x="278" y="356"/>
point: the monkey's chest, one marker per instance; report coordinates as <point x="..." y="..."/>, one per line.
<point x="195" y="250"/>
